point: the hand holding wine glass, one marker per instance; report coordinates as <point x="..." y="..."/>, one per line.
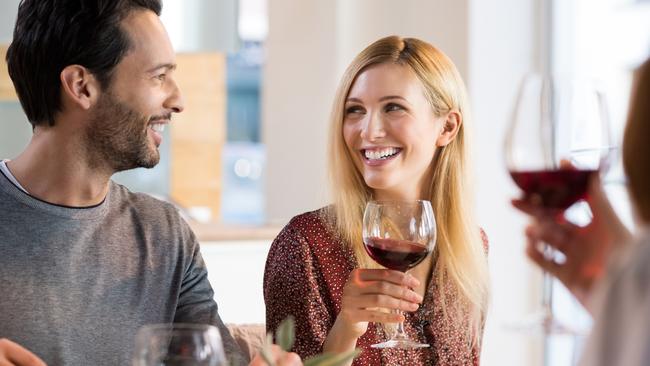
<point x="587" y="249"/>
<point x="368" y="291"/>
<point x="557" y="143"/>
<point x="399" y="236"/>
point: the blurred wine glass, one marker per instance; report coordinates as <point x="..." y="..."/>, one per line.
<point x="558" y="139"/>
<point x="178" y="345"/>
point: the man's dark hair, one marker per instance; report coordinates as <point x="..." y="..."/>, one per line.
<point x="52" y="34"/>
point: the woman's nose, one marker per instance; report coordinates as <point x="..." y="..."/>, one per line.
<point x="373" y="127"/>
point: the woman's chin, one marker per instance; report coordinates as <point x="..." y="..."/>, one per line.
<point x="380" y="186"/>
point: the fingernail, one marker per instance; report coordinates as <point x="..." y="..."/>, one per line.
<point x="415" y="297"/>
<point x="414" y="281"/>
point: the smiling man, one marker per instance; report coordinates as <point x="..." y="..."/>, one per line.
<point x="84" y="263"/>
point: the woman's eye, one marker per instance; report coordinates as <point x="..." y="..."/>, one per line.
<point x="392" y="107"/>
<point x="354" y="109"/>
<point x="161" y="77"/>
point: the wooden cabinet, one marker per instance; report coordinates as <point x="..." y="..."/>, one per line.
<point x="7" y="92"/>
<point x="199" y="133"/>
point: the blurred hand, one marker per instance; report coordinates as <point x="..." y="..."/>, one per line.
<point x="587" y="249"/>
<point x="13" y="354"/>
<point x="280" y="357"/>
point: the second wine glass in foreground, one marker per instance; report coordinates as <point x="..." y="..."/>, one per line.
<point x="558" y="139"/>
<point x="178" y="345"/>
<point x="398" y="236"/>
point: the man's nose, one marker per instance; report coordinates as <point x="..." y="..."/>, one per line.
<point x="175" y="101"/>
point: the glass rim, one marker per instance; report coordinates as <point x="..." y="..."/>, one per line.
<point x="179" y="327"/>
<point x="385" y="202"/>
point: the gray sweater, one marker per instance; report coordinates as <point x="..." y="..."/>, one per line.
<point x="77" y="283"/>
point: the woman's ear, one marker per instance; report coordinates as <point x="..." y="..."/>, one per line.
<point x="450" y="128"/>
<point x="79" y="87"/>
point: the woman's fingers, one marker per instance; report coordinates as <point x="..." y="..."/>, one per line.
<point x="390" y="289"/>
<point x="396" y="277"/>
<point x="527" y="207"/>
<point x="537" y="256"/>
<point x="384" y="301"/>
<point x="382" y="286"/>
<point x="557" y="235"/>
<point x="377" y="316"/>
<point x="370" y="288"/>
<point x="290" y="359"/>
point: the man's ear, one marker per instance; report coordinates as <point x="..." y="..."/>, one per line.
<point x="450" y="129"/>
<point x="79" y="87"/>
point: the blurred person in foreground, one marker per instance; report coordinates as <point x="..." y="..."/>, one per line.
<point x="84" y="262"/>
<point x="607" y="268"/>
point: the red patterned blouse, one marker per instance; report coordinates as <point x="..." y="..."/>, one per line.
<point x="306" y="269"/>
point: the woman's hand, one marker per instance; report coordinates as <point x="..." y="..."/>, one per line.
<point x="13" y="354"/>
<point x="280" y="357"/>
<point x="365" y="296"/>
<point x="587" y="249"/>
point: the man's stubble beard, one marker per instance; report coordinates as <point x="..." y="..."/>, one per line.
<point x="116" y="137"/>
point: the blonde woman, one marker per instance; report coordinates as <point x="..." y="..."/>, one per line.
<point x="398" y="132"/>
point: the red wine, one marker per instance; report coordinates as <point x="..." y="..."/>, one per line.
<point x="557" y="189"/>
<point x="400" y="255"/>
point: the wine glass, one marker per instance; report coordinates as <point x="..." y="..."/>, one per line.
<point x="558" y="139"/>
<point x="398" y="236"/>
<point x="178" y="344"/>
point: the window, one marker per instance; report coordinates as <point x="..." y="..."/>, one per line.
<point x="604" y="39"/>
<point x="243" y="154"/>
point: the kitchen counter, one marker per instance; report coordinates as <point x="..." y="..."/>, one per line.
<point x="217" y="232"/>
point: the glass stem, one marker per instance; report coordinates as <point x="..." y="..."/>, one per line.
<point x="547" y="283"/>
<point x="547" y="295"/>
<point x="400" y="334"/>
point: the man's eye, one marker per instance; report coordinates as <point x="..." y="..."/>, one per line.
<point x="161" y="77"/>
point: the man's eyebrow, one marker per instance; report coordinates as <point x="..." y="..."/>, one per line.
<point x="168" y="66"/>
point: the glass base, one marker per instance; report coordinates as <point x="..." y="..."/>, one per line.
<point x="544" y="323"/>
<point x="400" y="344"/>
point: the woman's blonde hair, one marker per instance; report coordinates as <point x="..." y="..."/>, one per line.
<point x="636" y="149"/>
<point x="461" y="259"/>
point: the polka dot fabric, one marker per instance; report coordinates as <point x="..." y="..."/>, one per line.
<point x="306" y="269"/>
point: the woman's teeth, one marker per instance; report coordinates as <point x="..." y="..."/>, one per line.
<point x="380" y="153"/>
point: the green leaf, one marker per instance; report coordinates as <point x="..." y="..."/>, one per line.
<point x="286" y="333"/>
<point x="266" y="353"/>
<point x="285" y="336"/>
<point x="331" y="359"/>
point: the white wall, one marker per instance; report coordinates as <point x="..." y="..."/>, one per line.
<point x="299" y="82"/>
<point x="8" y="11"/>
<point x="492" y="42"/>
<point x="201" y="25"/>
<point x="504" y="44"/>
<point x="308" y="47"/>
<point x="236" y="272"/>
<point x="443" y="23"/>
